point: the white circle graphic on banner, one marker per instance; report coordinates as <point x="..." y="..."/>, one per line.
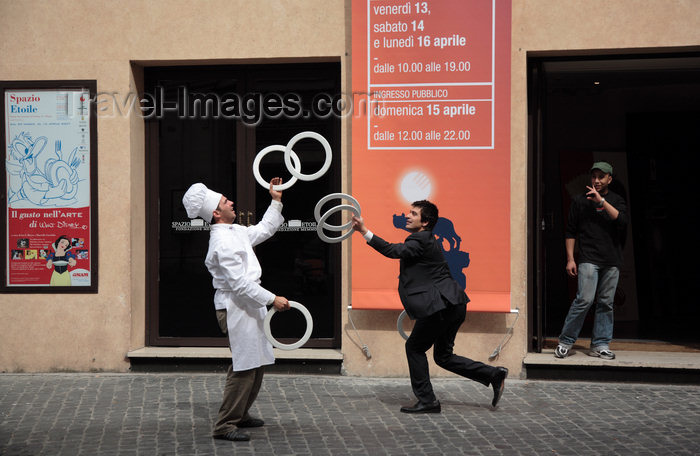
<point x="416" y="186"/>
<point x="300" y="342"/>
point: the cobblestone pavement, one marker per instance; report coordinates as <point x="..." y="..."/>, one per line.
<point x="172" y="414"/>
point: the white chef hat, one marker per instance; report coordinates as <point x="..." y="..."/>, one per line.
<point x="199" y="201"/>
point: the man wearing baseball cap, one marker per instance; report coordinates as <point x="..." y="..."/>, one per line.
<point x="241" y="303"/>
<point x="597" y="220"/>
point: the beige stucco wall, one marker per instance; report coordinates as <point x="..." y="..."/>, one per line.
<point x="111" y="41"/>
<point x="100" y="40"/>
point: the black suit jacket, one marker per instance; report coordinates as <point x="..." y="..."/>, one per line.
<point x="424" y="277"/>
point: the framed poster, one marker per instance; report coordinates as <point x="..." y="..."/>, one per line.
<point x="49" y="182"/>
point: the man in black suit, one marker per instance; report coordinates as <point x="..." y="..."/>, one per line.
<point x="434" y="299"/>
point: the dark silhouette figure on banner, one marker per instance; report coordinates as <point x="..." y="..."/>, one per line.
<point x="445" y="231"/>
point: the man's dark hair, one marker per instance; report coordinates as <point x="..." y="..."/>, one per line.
<point x="428" y="213"/>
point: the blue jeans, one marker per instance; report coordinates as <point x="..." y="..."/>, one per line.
<point x="595" y="283"/>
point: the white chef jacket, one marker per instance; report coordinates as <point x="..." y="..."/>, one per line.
<point x="236" y="272"/>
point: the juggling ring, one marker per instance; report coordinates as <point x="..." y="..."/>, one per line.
<point x="288" y="155"/>
<point x="329" y="212"/>
<point x="300" y="342"/>
<point x="267" y="150"/>
<point x="399" y="324"/>
<point x="324" y="200"/>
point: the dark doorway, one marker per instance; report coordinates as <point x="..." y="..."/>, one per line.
<point x="641" y="114"/>
<point x="663" y="169"/>
<point x="197" y="136"/>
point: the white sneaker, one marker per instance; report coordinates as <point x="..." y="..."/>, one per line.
<point x="603" y="353"/>
<point x="561" y="351"/>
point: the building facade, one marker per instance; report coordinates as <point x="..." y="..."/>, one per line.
<point x="152" y="290"/>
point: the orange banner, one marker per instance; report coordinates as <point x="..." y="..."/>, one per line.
<point x="431" y="94"/>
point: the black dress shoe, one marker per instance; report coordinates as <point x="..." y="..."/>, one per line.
<point x="420" y="407"/>
<point x="498" y="383"/>
<point x="250" y="423"/>
<point x="234" y="436"/>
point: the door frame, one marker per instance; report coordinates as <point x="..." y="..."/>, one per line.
<point x="535" y="217"/>
<point x="245" y="141"/>
<point x="537" y="220"/>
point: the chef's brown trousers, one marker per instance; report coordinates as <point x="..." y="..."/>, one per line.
<point x="239" y="393"/>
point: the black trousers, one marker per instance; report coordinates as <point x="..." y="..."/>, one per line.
<point x="439" y="331"/>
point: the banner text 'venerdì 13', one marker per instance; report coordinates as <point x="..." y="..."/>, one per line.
<point x="431" y="94"/>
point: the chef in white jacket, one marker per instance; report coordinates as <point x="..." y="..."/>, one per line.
<point x="241" y="303"/>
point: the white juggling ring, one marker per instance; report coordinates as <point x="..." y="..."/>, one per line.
<point x="267" y="150"/>
<point x="300" y="342"/>
<point x="288" y="155"/>
<point x="399" y="324"/>
<point x="329" y="212"/>
<point x="324" y="200"/>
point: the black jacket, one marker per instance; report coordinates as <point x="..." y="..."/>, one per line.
<point x="424" y="277"/>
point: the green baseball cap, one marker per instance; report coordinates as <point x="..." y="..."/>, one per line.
<point x="603" y="166"/>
